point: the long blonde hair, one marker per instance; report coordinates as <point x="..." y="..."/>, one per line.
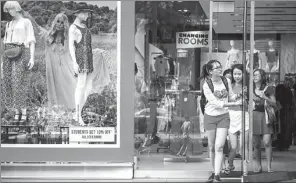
<point x="52" y="31"/>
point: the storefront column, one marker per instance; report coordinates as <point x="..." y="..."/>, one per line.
<point x="245" y="20"/>
<point x="154" y="22"/>
<point x="252" y="24"/>
<point x="211" y="31"/>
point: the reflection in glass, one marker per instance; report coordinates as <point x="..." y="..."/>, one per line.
<point x="167" y="65"/>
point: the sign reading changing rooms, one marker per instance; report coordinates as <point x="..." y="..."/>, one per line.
<point x="192" y="39"/>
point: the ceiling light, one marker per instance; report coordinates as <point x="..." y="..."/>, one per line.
<point x="238" y="30"/>
<point x="235" y="14"/>
<point x="185" y="10"/>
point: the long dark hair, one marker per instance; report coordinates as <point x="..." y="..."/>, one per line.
<point x="263" y="78"/>
<point x="227" y="71"/>
<point x="239" y="67"/>
<point x="206" y="69"/>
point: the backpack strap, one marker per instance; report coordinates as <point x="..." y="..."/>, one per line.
<point x="225" y="82"/>
<point x="210" y="84"/>
<point x="6" y="29"/>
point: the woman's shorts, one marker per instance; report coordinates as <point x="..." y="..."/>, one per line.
<point x="214" y="122"/>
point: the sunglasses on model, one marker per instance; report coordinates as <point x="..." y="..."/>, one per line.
<point x="61" y="22"/>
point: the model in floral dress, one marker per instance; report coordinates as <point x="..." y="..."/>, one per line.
<point x="19" y="33"/>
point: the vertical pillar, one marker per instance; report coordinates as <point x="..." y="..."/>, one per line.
<point x="153" y="118"/>
<point x="153" y="103"/>
<point x="154" y="22"/>
<point x="252" y="22"/>
<point x="211" y="30"/>
<point x="244" y="162"/>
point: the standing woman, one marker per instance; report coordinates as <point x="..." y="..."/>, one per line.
<point x="19" y="49"/>
<point x="216" y="115"/>
<point x="261" y="128"/>
<point x="90" y="66"/>
<point x="236" y="117"/>
<point x="81" y="53"/>
<point x="59" y="66"/>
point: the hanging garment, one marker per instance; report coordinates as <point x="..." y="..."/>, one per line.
<point x="188" y="104"/>
<point x="161" y="66"/>
<point x="284" y="96"/>
<point x="256" y="60"/>
<point x="271" y="56"/>
<point x="172" y="66"/>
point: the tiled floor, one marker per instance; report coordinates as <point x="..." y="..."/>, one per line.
<point x="282" y="161"/>
<point x="155" y="165"/>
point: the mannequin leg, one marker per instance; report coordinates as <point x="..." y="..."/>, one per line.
<point x="79" y="95"/>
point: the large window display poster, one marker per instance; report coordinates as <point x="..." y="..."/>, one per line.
<point x="59" y="73"/>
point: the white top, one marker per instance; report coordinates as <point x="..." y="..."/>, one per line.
<point x="236" y="117"/>
<point x="75" y="33"/>
<point x="216" y="100"/>
<point x="233" y="57"/>
<point x="21" y="32"/>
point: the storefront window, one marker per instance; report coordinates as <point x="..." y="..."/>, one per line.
<point x="171" y="40"/>
<point x="47" y="99"/>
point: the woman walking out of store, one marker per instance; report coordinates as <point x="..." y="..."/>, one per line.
<point x="218" y="92"/>
<point x="236" y="117"/>
<point x="261" y="127"/>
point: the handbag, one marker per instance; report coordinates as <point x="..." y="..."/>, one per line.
<point x="270" y="111"/>
<point x="270" y="115"/>
<point x="13" y="51"/>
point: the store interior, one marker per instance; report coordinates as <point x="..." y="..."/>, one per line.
<point x="167" y="97"/>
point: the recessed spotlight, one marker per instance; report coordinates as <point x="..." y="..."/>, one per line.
<point x="238" y="30"/>
<point x="185" y="10"/>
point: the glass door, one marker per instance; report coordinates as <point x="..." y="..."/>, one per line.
<point x="272" y="140"/>
<point x="229" y="38"/>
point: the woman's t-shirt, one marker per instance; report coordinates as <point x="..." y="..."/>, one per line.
<point x="236" y="90"/>
<point x="259" y="102"/>
<point x="216" y="99"/>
